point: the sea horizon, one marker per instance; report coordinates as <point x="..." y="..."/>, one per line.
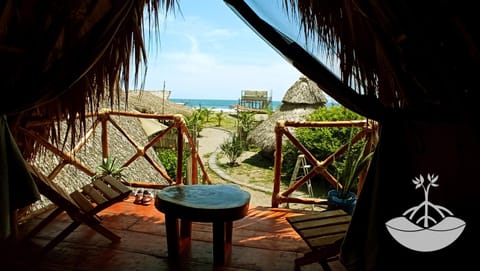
<point x="215" y="104"/>
<point x="221" y="104"/>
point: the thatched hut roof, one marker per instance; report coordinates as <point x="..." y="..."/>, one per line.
<point x="301" y="99"/>
<point x="304" y="91"/>
<point x="385" y="55"/>
<point x="147" y="102"/>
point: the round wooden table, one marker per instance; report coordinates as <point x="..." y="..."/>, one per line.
<point x="218" y="204"/>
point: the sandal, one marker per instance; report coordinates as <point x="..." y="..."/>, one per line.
<point x="147" y="197"/>
<point x="138" y="197"/>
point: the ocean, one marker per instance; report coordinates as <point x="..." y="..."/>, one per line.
<point x="214" y="104"/>
<point x="218" y="105"/>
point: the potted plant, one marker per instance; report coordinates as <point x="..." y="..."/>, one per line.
<point x="355" y="161"/>
<point x="109" y="167"/>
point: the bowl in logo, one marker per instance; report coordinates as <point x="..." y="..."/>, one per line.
<point x="422" y="239"/>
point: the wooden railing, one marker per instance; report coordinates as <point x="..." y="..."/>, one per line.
<point x="102" y="118"/>
<point x="368" y="130"/>
<point x="177" y="123"/>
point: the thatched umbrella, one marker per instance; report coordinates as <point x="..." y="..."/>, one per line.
<point x="413" y="67"/>
<point x="301" y="99"/>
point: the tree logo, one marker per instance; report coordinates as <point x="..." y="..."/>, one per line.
<point x="426" y="227"/>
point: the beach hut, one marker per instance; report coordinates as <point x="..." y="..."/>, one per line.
<point x="301" y="99"/>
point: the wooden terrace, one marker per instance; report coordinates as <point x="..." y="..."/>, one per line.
<point x="263" y="240"/>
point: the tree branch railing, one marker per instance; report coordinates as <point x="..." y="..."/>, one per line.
<point x="102" y="118"/>
<point x="368" y="131"/>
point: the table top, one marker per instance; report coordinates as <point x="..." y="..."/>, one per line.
<point x="204" y="203"/>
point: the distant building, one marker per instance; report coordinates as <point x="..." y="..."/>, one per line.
<point x="255" y="99"/>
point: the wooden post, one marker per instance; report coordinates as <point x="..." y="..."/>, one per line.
<point x="277" y="166"/>
<point x="189" y="179"/>
<point x="104" y="118"/>
<point x="180" y="143"/>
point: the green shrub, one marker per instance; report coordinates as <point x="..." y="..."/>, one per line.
<point x="246" y="123"/>
<point x="322" y="142"/>
<point x="168" y="157"/>
<point x="195" y="122"/>
<point x="110" y="167"/>
<point x="232" y="148"/>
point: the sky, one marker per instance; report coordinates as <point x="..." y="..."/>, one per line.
<point x="207" y="52"/>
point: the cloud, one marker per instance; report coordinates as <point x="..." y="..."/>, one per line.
<point x="202" y="58"/>
<point x="197" y="75"/>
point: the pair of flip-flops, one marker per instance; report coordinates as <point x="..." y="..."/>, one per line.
<point x="143" y="197"/>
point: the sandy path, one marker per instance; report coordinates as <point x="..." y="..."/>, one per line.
<point x="210" y="139"/>
<point x="209" y="143"/>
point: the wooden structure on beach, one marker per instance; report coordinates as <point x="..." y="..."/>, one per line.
<point x="255" y="99"/>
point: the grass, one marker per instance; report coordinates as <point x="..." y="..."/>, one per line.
<point x="253" y="169"/>
<point x="228" y="123"/>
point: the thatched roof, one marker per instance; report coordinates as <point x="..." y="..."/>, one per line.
<point x="71" y="178"/>
<point x="301" y="99"/>
<point x="138" y="129"/>
<point x="147" y="102"/>
<point x="263" y="136"/>
<point x="411" y="65"/>
<point x="304" y="91"/>
<point x="60" y="59"/>
<point x="389" y="55"/>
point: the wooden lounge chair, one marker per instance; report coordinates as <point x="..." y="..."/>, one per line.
<point x="323" y="232"/>
<point x="82" y="205"/>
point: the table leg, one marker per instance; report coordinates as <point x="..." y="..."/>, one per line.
<point x="228" y="231"/>
<point x="218" y="243"/>
<point x="173" y="240"/>
<point x="185" y="229"/>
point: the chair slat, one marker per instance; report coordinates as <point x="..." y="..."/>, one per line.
<point x="94" y="194"/>
<point x="116" y="184"/>
<point x="82" y="206"/>
<point x="323" y="232"/>
<point x="322" y="222"/>
<point x="316" y="216"/>
<point x="319" y="242"/>
<point x="106" y="190"/>
<point x="82" y="201"/>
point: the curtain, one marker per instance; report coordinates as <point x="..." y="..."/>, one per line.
<point x="47" y="48"/>
<point x="59" y="59"/>
<point x="417" y="154"/>
<point x="17" y="188"/>
<point x="409" y="65"/>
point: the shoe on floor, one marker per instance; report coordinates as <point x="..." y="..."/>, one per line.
<point x="147" y="197"/>
<point x="138" y="197"/>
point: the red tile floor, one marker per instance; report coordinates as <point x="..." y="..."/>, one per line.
<point x="263" y="240"/>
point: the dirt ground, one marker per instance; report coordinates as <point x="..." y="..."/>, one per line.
<point x="254" y="180"/>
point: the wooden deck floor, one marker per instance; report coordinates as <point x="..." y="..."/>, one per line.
<point x="261" y="241"/>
